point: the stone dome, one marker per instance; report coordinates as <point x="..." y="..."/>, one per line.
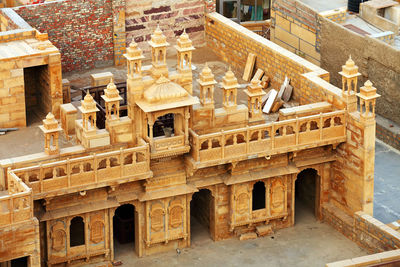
<point x="164" y="90"/>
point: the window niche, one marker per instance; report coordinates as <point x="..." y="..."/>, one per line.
<point x="77" y="232"/>
<point x="258" y="196"/>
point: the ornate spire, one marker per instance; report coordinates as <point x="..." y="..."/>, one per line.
<point x="229" y="81"/>
<point x="158" y="39"/>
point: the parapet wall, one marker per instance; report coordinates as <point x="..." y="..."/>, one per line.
<point x="233" y="43"/>
<point x="363" y="229"/>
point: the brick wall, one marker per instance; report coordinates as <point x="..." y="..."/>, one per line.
<point x="233" y="43"/>
<point x="81" y="29"/>
<point x="295" y="26"/>
<point x="363" y="229"/>
<point x="173" y="17"/>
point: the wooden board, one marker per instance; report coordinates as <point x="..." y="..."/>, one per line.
<point x="270" y="102"/>
<point x="248" y="70"/>
<point x="283" y="87"/>
<point x="288" y="93"/>
<point x="265" y="98"/>
<point x="258" y="75"/>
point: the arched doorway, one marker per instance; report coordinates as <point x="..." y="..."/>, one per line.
<point x="307" y="194"/>
<point x="201" y="215"/>
<point x="258" y="196"/>
<point x="124" y="230"/>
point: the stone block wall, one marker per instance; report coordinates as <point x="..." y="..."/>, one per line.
<point x="353" y="176"/>
<point x="388" y="132"/>
<point x="82" y="30"/>
<point x="173" y="17"/>
<point x="377" y="62"/>
<point x="21" y="240"/>
<point x="363" y="229"/>
<point x="12" y="100"/>
<point x="295" y="27"/>
<point x="222" y="212"/>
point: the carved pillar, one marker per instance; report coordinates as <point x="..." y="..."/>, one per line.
<point x="151" y="124"/>
<point x="187" y="117"/>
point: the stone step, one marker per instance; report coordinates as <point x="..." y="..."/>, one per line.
<point x="264" y="230"/>
<point x="247" y="236"/>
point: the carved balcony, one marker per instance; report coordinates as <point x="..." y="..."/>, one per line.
<point x="88" y="172"/>
<point x="267" y="139"/>
<point x="16" y="204"/>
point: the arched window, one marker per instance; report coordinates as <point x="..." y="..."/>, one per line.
<point x="259" y="196"/>
<point x="77" y="232"/>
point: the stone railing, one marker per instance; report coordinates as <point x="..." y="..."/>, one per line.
<point x="72" y="175"/>
<point x="17" y="203"/>
<point x="269" y="139"/>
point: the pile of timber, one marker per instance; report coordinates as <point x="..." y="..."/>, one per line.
<point x="273" y="100"/>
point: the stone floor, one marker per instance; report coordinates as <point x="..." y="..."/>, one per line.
<point x="308" y="243"/>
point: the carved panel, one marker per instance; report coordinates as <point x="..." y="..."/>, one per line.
<point x="97" y="232"/>
<point x="241" y="208"/>
<point x="278" y="196"/>
<point x="58" y="236"/>
<point x="176" y="216"/>
<point x="59" y="239"/>
<point x="157" y="217"/>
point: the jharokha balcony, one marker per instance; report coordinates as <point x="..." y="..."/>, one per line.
<point x="268" y="139"/>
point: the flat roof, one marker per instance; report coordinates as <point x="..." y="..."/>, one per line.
<point x="321" y="6"/>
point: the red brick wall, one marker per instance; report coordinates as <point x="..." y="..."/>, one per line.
<point x="173" y="17"/>
<point x="81" y="29"/>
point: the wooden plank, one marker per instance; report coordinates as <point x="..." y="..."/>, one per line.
<point x="270" y="102"/>
<point x="288" y="93"/>
<point x="283" y="87"/>
<point x="258" y="75"/>
<point x="248" y="70"/>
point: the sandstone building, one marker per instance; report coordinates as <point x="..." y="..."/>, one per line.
<point x="175" y="156"/>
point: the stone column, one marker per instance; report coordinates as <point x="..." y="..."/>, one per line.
<point x="119" y="34"/>
<point x="55" y="82"/>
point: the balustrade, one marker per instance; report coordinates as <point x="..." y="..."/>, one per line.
<point x="271" y="138"/>
<point x="17" y="204"/>
<point x="89" y="170"/>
